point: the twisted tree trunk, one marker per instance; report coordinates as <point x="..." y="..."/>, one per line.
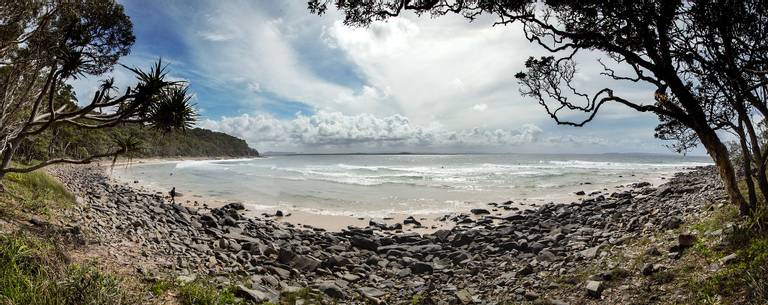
<point x="719" y="154"/>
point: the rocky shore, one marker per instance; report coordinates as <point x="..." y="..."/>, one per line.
<point x="484" y="259"/>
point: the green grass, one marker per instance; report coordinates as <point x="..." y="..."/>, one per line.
<point x="160" y="287"/>
<point x="33" y="271"/>
<point x="201" y="292"/>
<point x="745" y="280"/>
<point x="36" y="193"/>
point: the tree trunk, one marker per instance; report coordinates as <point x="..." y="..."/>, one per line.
<point x="762" y="181"/>
<point x="719" y="154"/>
<point x="747" y="165"/>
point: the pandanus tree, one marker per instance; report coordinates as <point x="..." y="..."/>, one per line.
<point x="705" y="63"/>
<point x="44" y="44"/>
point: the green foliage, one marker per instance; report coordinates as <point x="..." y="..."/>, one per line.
<point x="160" y="287"/>
<point x="173" y="111"/>
<point x="75" y="142"/>
<point x="745" y="279"/>
<point x="200" y="292"/>
<point x="33" y="272"/>
<point x="417" y="299"/>
<point x="35" y="192"/>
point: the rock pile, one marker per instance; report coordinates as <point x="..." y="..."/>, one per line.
<point x="483" y="258"/>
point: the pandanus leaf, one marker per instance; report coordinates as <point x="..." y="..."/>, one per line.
<point x="173" y="111"/>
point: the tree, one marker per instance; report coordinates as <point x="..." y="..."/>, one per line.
<point x="706" y="61"/>
<point x="45" y="43"/>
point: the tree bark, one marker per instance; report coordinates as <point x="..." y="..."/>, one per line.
<point x="719" y="154"/>
<point x="747" y="165"/>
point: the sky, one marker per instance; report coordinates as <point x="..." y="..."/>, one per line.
<point x="286" y="80"/>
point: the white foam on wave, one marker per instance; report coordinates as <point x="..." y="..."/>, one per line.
<point x="208" y="163"/>
<point x="620" y="165"/>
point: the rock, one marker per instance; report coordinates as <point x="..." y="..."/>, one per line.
<point x="594" y="289"/>
<point x="363" y="243"/>
<point x="580" y="193"/>
<point x="479" y="211"/>
<point x="673" y="222"/>
<point x="546" y="256"/>
<point x="235" y="206"/>
<point x="442" y="234"/>
<point x="337" y="261"/>
<point x="728" y="259"/>
<point x="38" y="221"/>
<point x="349" y="277"/>
<point x="411" y="221"/>
<point x="531" y="295"/>
<point x="647" y="269"/>
<point x="331" y="289"/>
<point x="590" y="253"/>
<point x="421" y="267"/>
<point x="282" y="273"/>
<point x="371" y="293"/>
<point x="301" y="262"/>
<point x="257" y="295"/>
<point x="464" y="296"/>
<point x="279" y="213"/>
<point x="526" y="270"/>
<point x="686" y="240"/>
<point x="461" y="239"/>
<point x="184" y="279"/>
<point x="643" y="184"/>
<point x="229" y="221"/>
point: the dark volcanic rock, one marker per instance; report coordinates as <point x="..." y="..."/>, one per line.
<point x="363" y="243"/>
<point x="235" y="206"/>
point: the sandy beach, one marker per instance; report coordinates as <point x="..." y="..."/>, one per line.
<point x="319" y="219"/>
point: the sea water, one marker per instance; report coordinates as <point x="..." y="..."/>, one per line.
<point x="379" y="185"/>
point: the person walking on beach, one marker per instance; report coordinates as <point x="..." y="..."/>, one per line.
<point x="173" y="195"/>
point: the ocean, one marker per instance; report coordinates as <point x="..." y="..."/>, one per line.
<point x="381" y="185"/>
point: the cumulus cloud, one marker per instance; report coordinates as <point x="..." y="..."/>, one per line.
<point x="480" y="107"/>
<point x="362" y="132"/>
<point x="412" y="81"/>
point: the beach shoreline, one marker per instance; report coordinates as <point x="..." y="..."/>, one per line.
<point x="320" y="219"/>
<point x="374" y="262"/>
<point x="473" y="260"/>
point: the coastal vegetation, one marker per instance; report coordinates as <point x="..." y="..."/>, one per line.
<point x="45" y="44"/>
<point x="74" y="142"/>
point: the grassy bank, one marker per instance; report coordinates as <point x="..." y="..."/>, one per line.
<point x="35" y="271"/>
<point x="737" y="251"/>
<point x="35" y="193"/>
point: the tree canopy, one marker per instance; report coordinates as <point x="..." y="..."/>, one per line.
<point x="45" y="43"/>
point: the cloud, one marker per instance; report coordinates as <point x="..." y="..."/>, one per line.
<point x="254" y="87"/>
<point x="480" y="107"/>
<point x="411" y="80"/>
<point x="362" y="132"/>
<point x="215" y="36"/>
